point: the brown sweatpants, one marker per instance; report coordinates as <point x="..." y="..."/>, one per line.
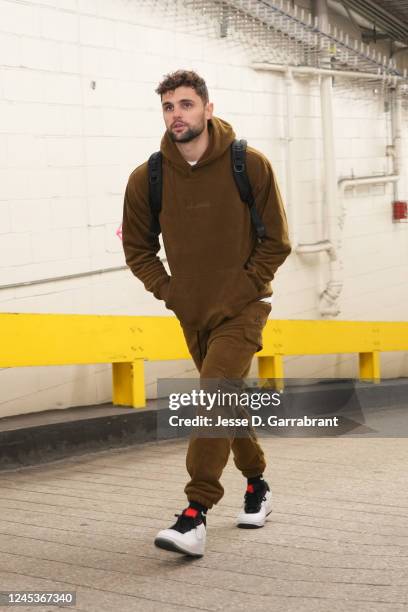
<point x="224" y="353"/>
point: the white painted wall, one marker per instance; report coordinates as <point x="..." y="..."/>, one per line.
<point x="66" y="150"/>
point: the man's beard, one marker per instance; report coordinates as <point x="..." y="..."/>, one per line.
<point x="189" y="135"/>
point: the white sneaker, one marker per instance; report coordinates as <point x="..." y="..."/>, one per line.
<point x="257" y="506"/>
<point x="186" y="536"/>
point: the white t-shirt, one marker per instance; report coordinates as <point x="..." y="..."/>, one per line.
<point x="192" y="163"/>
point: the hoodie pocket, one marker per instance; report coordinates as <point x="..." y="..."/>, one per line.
<point x="258" y="313"/>
<point x="254" y="336"/>
<point x="204" y="300"/>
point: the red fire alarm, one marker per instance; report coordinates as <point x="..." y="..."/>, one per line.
<point x="399" y="211"/>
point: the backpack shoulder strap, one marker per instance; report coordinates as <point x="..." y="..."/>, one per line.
<point x="155" y="190"/>
<point x="238" y="160"/>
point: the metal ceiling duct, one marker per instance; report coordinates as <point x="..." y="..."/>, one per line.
<point x="391" y="16"/>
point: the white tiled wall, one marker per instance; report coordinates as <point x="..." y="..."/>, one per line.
<point x="78" y="112"/>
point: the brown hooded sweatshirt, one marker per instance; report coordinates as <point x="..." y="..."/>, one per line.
<point x="217" y="265"/>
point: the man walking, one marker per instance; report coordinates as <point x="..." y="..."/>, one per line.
<point x="219" y="286"/>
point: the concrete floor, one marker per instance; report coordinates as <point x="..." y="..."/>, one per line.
<point x="337" y="539"/>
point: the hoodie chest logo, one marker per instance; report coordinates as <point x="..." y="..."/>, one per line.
<point x="198" y="204"/>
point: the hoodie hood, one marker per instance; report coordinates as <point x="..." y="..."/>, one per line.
<point x="221" y="136"/>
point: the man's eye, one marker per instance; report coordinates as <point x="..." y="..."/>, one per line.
<point x="187" y="104"/>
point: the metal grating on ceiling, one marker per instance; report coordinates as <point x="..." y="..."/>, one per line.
<point x="299" y="37"/>
<point x="278" y="32"/>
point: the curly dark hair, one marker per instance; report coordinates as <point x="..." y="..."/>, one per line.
<point x="186" y="78"/>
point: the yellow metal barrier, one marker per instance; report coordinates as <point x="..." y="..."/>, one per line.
<point x="127" y="341"/>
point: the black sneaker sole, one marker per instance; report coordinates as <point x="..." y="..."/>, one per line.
<point x="167" y="545"/>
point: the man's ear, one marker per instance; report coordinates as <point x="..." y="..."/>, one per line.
<point x="209" y="109"/>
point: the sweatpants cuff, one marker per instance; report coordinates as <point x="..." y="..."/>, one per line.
<point x="253" y="473"/>
<point x="201" y="500"/>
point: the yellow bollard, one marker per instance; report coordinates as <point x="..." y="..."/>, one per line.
<point x="370" y="366"/>
<point x="128" y="384"/>
<point x="271" y="368"/>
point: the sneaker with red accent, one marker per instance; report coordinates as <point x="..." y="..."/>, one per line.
<point x="187" y="535"/>
<point x="257" y="506"/>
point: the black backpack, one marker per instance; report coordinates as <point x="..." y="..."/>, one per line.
<point x="238" y="158"/>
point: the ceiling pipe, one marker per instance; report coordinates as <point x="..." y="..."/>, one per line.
<point x="290" y="171"/>
<point x="396" y="128"/>
<point x="380" y="179"/>
<point x="328" y="302"/>
<point x="348" y="74"/>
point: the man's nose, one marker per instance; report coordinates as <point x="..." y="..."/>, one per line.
<point x="177" y="113"/>
<point x="176" y="116"/>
